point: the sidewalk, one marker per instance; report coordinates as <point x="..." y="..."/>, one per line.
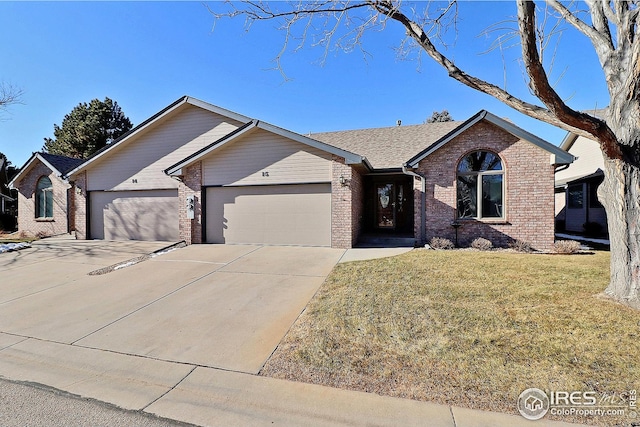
<point x="215" y="397"/>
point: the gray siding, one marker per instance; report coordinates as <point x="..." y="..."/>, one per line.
<point x="560" y="200"/>
<point x="263" y="158"/>
<point x="589" y="159"/>
<point x="139" y="163"/>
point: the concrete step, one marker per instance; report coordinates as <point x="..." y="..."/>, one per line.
<point x="386" y="242"/>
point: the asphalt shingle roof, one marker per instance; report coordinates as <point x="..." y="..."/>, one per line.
<point x="62" y="163"/>
<point x="388" y="147"/>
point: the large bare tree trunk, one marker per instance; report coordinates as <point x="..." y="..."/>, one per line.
<point x="620" y="194"/>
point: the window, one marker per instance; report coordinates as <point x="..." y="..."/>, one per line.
<point x="480" y="186"/>
<point x="44" y="198"/>
<point x="575" y="196"/>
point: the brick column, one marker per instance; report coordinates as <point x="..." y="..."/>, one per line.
<point x="80" y="206"/>
<point x="191" y="229"/>
<point x="346" y="205"/>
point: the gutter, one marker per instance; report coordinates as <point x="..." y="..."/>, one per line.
<point x="423" y="201"/>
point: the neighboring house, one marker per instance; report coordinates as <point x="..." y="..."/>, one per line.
<point x="7" y="201"/>
<point x="5" y="196"/>
<point x="577" y="207"/>
<point x="203" y="174"/>
<point x="44" y="194"/>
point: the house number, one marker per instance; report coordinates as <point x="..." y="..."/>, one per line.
<point x="265" y="173"/>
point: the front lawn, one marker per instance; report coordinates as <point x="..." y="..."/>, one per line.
<point x="470" y="329"/>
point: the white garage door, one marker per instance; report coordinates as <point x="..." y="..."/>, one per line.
<point x="272" y="214"/>
<point x="134" y="215"/>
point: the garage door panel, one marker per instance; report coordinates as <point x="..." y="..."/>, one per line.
<point x="135" y="215"/>
<point x="278" y="215"/>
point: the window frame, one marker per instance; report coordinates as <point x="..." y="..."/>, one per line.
<point x="47" y="196"/>
<point x="479" y="183"/>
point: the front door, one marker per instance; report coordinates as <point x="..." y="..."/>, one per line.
<point x="386" y="206"/>
<point x="393" y="205"/>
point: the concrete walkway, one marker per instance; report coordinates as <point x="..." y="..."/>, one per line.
<point x="183" y="335"/>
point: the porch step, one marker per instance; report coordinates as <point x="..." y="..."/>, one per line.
<point x="385" y="242"/>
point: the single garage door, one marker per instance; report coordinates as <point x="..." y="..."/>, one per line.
<point x="272" y="214"/>
<point x="134" y="215"/>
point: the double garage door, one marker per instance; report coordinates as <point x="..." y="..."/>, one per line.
<point x="134" y="215"/>
<point x="297" y="214"/>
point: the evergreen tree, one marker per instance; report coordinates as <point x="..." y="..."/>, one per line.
<point x="440" y="116"/>
<point x="87" y="129"/>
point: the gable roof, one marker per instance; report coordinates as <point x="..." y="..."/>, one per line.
<point x="61" y="163"/>
<point x="247" y="128"/>
<point x="388" y="147"/>
<point x="394" y="147"/>
<point x="58" y="164"/>
<point x="151" y="121"/>
<point x="560" y="157"/>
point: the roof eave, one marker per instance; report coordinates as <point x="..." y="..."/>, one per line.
<point x="558" y="155"/>
<point x="176" y="169"/>
<point x="136" y="130"/>
<point x="27" y="167"/>
<point x="349" y="157"/>
<point x="568" y="141"/>
<point x="413" y="162"/>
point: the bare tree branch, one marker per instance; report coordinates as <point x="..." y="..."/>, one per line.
<point x="544" y="91"/>
<point x="600" y="20"/>
<point x="417" y="33"/>
<point x="423" y="31"/>
<point x="602" y="43"/>
<point x="9" y="95"/>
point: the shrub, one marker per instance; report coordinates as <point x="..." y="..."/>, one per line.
<point x="566" y="247"/>
<point x="482" y="244"/>
<point x="441" y="243"/>
<point x="521" y="246"/>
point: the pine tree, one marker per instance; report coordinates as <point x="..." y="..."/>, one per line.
<point x="87" y="129"/>
<point x="440" y="116"/>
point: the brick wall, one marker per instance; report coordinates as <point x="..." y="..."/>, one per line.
<point x="191" y="229"/>
<point x="346" y="205"/>
<point x="27" y="220"/>
<point x="80" y="205"/>
<point x="528" y="181"/>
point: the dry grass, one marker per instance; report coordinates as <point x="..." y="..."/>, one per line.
<point x="470" y="329"/>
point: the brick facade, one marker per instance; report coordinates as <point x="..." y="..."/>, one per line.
<point x="27" y="221"/>
<point x="79" y="203"/>
<point x="346" y="205"/>
<point x="528" y="181"/>
<point x="191" y="229"/>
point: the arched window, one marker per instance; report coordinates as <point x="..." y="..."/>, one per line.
<point x="480" y="186"/>
<point x="44" y="198"/>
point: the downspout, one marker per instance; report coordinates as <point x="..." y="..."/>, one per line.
<point x="423" y="202"/>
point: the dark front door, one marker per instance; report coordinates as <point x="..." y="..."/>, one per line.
<point x="385" y="203"/>
<point x="393" y="205"/>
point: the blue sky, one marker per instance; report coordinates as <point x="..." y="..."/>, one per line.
<point x="145" y="55"/>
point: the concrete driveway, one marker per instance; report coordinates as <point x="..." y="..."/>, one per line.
<point x="183" y="334"/>
<point x="205" y="305"/>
